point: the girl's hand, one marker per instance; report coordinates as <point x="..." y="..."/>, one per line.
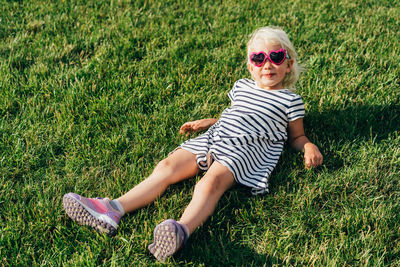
<point x="299" y="141"/>
<point x="196" y="126"/>
<point x="312" y="156"/>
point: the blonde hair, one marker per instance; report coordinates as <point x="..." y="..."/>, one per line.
<point x="276" y="35"/>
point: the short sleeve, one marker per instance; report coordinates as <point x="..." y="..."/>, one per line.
<point x="296" y="109"/>
<point x="231" y="93"/>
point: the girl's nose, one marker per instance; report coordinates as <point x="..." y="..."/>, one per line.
<point x="267" y="64"/>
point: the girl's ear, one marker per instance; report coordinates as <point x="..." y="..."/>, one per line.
<point x="290" y="66"/>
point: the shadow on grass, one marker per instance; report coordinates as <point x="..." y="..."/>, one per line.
<point x="219" y="250"/>
<point x="354" y="124"/>
<point x="335" y="131"/>
<point x="222" y="240"/>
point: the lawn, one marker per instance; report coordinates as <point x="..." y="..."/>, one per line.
<point x="92" y="95"/>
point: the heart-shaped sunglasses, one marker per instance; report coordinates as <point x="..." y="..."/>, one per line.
<point x="277" y="57"/>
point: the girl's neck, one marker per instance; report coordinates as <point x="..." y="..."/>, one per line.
<point x="270" y="88"/>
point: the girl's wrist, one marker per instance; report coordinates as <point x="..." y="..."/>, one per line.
<point x="212" y="120"/>
<point x="308" y="146"/>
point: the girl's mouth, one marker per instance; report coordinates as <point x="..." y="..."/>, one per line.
<point x="268" y="75"/>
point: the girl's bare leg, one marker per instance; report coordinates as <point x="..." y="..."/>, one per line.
<point x="169" y="236"/>
<point x="206" y="195"/>
<point x="178" y="166"/>
<point x="104" y="215"/>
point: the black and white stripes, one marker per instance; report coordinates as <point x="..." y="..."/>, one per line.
<point x="249" y="137"/>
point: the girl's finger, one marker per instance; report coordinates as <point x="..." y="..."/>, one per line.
<point x="307" y="162"/>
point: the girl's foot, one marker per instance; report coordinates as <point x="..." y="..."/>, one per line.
<point x="169" y="236"/>
<point x="95" y="212"/>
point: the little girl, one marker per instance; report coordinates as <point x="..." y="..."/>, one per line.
<point x="242" y="147"/>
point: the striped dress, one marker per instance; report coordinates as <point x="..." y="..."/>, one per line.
<point x="249" y="137"/>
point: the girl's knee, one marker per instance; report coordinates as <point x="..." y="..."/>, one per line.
<point x="175" y="168"/>
<point x="211" y="185"/>
<point x="165" y="166"/>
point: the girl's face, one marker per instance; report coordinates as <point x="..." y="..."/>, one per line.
<point x="269" y="76"/>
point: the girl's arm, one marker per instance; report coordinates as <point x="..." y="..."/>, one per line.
<point x="199" y="125"/>
<point x="196" y="126"/>
<point x="299" y="141"/>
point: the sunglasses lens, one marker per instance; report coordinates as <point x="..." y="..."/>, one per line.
<point x="257" y="59"/>
<point x="277" y="57"/>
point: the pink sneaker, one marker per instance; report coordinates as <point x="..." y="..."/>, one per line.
<point x="95" y="212"/>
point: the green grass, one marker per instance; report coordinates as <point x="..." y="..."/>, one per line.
<point x="92" y="94"/>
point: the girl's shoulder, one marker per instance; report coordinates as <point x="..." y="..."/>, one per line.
<point x="290" y="96"/>
<point x="290" y="93"/>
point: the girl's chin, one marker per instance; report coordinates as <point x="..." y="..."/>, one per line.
<point x="267" y="79"/>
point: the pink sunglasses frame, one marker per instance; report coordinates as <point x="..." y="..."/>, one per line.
<point x="286" y="56"/>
